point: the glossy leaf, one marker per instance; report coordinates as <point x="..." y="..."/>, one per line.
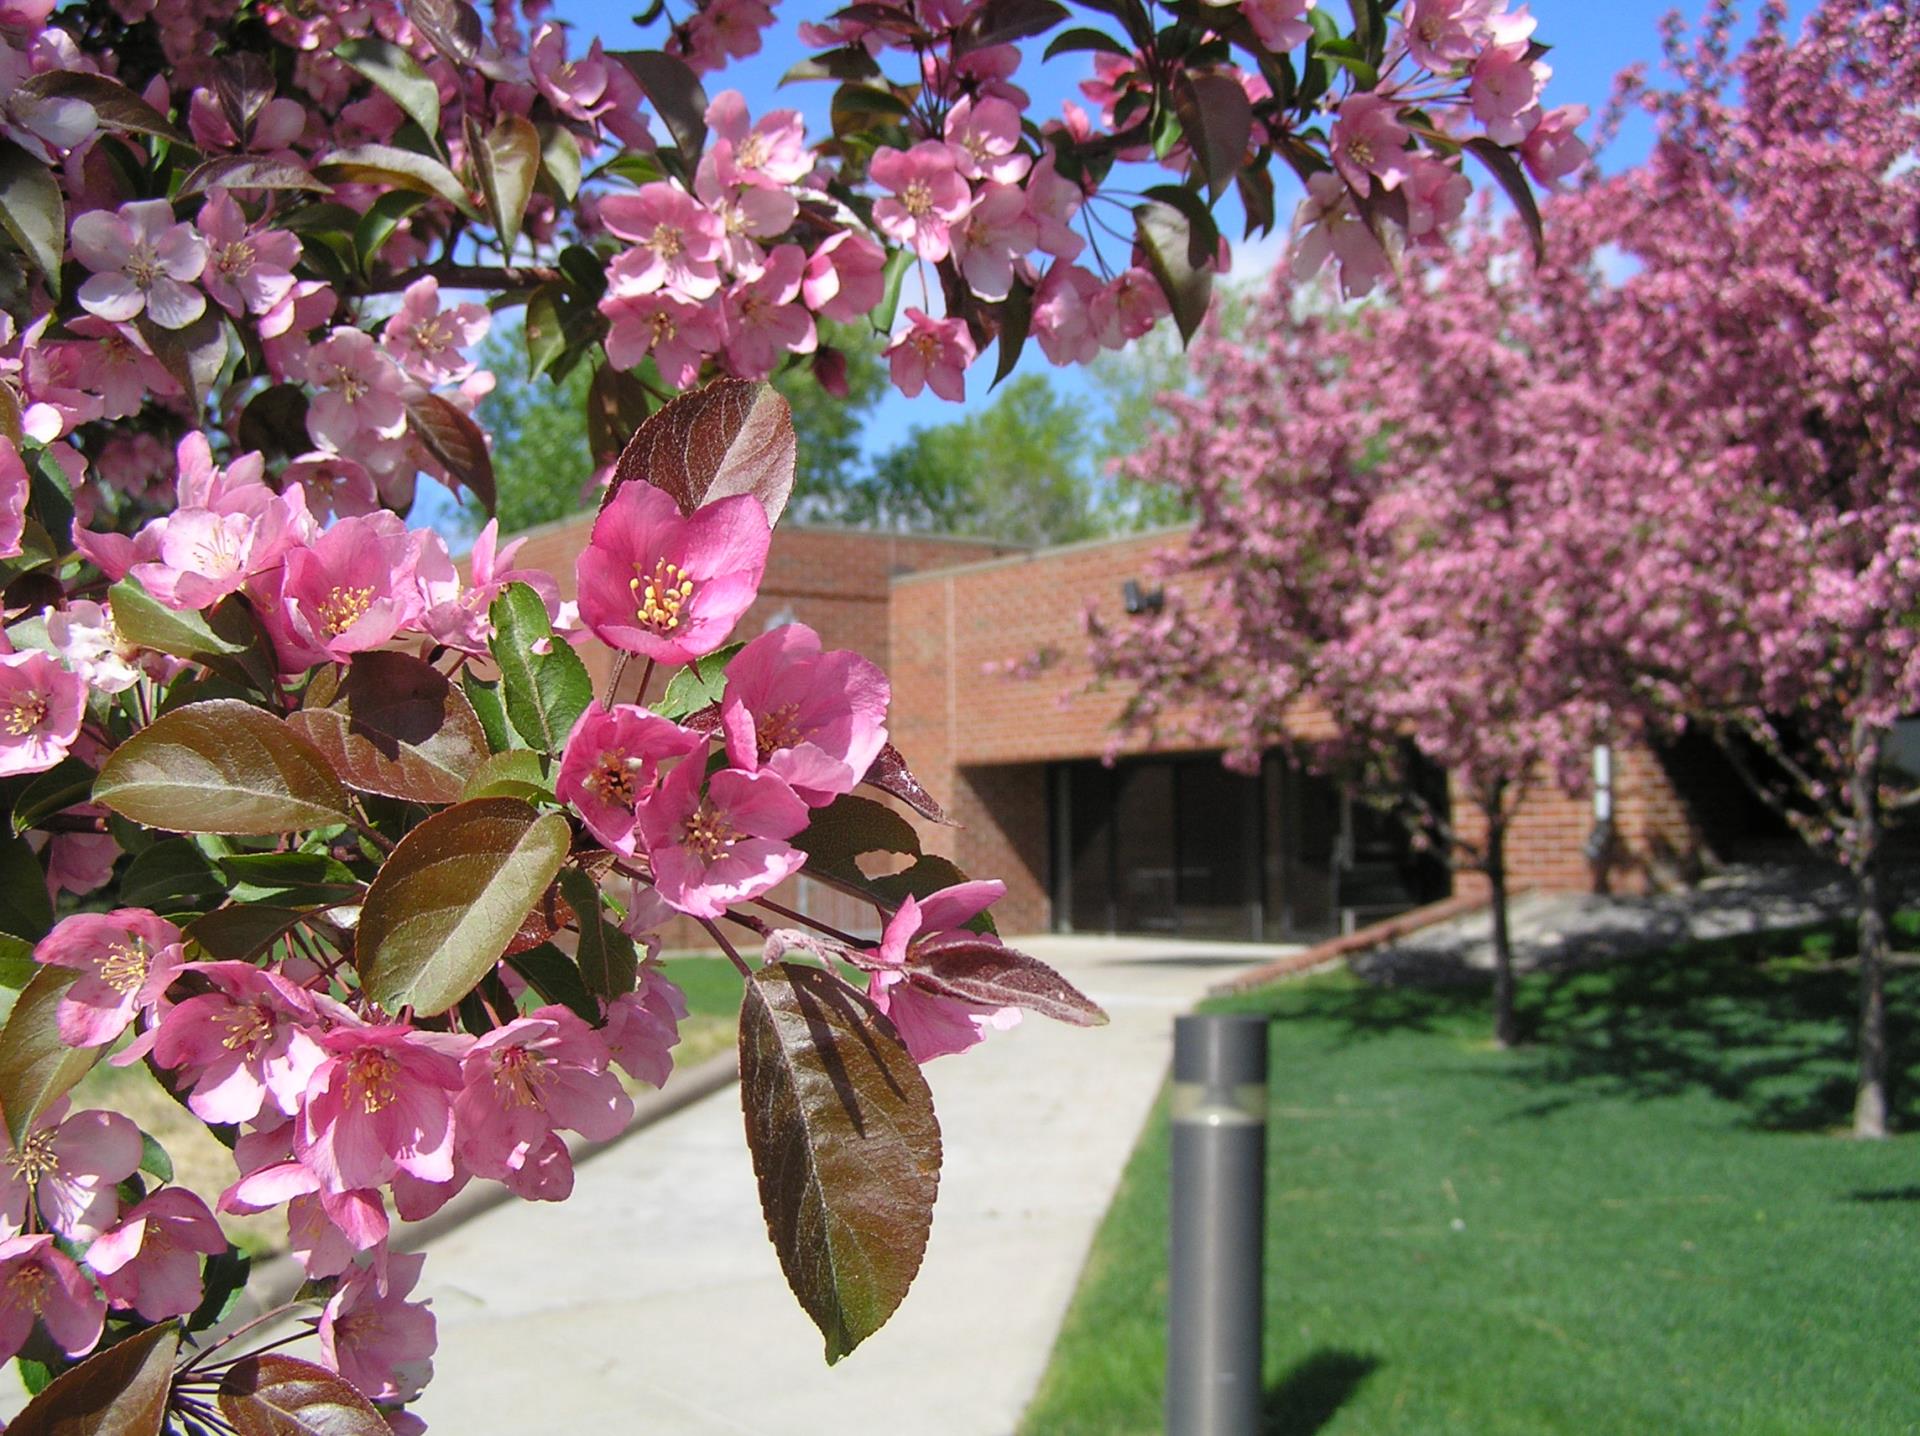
<point x="243" y="83"/>
<point x="731" y="437"/>
<point x="221" y="767"/>
<point x="891" y="775"/>
<point x="37" y="1069"/>
<point x="506" y="159"/>
<point x="61" y="786"/>
<point x="117" y="106"/>
<point x="172" y="876"/>
<point x="1166" y="236"/>
<point x="194" y="356"/>
<point x="484" y="695"/>
<point x="845" y="1146"/>
<point x="545" y="334"/>
<point x="1001" y="22"/>
<point x="962" y="966"/>
<point x="276" y="1395"/>
<point x="397" y="75"/>
<point x="544" y="693"/>
<point x="242" y="931"/>
<point x="607" y="961"/>
<point x="381" y="222"/>
<point x="675" y="93"/>
<point x="617" y="405"/>
<point x="1218" y="120"/>
<point x="250" y="172"/>
<point x="1502" y="165"/>
<point x="512" y="774"/>
<point x="226" y="641"/>
<point x="33" y="211"/>
<point x="698" y="686"/>
<point x="275" y="419"/>
<point x="26" y="910"/>
<point x="389" y="165"/>
<point x="552" y="974"/>
<point x="560" y="158"/>
<point x="453" y="27"/>
<point x="394" y="725"/>
<point x="121" y="1391"/>
<point x="455" y="440"/>
<point x="848" y="827"/>
<point x="448" y="900"/>
<point x="17" y="966"/>
<point x="926" y="875"/>
<point x="314" y="876"/>
<point x="1015" y="316"/>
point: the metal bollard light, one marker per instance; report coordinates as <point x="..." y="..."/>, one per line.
<point x="1215" y="1297"/>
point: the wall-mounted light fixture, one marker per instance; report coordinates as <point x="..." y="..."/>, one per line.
<point x="1141" y="600"/>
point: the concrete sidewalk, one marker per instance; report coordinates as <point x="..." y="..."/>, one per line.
<point x="652" y="1301"/>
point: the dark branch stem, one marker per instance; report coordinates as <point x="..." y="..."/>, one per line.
<point x="726" y="947"/>
<point x="498" y="278"/>
<point x="820" y="927"/>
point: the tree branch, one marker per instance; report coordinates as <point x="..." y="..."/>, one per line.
<point x="470" y="276"/>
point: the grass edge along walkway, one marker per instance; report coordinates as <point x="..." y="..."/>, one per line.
<point x="1644" y="1220"/>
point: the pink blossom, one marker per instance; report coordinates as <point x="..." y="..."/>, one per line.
<point x="361" y="392"/>
<point x="426" y="340"/>
<point x="771" y="151"/>
<point x="1127" y="307"/>
<point x="83" y="636"/>
<point x="678" y="333"/>
<point x="764" y="320"/>
<point x="926" y="195"/>
<point x="654" y="582"/>
<point x="1554" y="149"/>
<point x="846" y="276"/>
<point x="276" y="125"/>
<point x="1369" y="142"/>
<point x="714" y="848"/>
<point x="677" y="241"/>
<point x="142" y="260"/>
<point x="1328" y="227"/>
<point x="611" y="767"/>
<point x="126" y="959"/>
<point x="80" y="863"/>
<point x="1279" y="24"/>
<point x="1062" y="317"/>
<point x="207" y="552"/>
<point x="745" y="212"/>
<point x="15" y="487"/>
<point x="1052" y="202"/>
<point x="39" y="1282"/>
<point x="643" y="1026"/>
<point x="931" y="1024"/>
<point x="117" y="366"/>
<point x="150" y="1261"/>
<point x="538" y="1075"/>
<point x="381" y="1102"/>
<point x="985" y="140"/>
<point x="327" y="1231"/>
<point x="378" y="1341"/>
<point x="352" y="589"/>
<point x="813" y="718"/>
<point x="68" y="1167"/>
<point x="335" y="486"/>
<point x="996" y="232"/>
<point x="41" y="705"/>
<point x="249" y="270"/>
<point x="41" y="126"/>
<point x="457" y="614"/>
<point x="1442" y="35"/>
<point x="574" y="87"/>
<point x="1436" y="196"/>
<point x="1506" y="84"/>
<point x="931" y="353"/>
<point x="248" y="1046"/>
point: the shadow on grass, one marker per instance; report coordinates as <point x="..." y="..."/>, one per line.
<point x="1320" y="1383"/>
<point x="1886" y="1194"/>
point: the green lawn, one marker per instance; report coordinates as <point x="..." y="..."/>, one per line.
<point x="1641" y="1222"/>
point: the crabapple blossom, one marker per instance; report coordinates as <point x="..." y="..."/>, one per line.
<point x="381" y="1102"/>
<point x="764" y="321"/>
<point x="117" y="365"/>
<point x="83" y="636"/>
<point x="985" y="140"/>
<point x="1369" y="143"/>
<point x="427" y="339"/>
<point x="361" y="392"/>
<point x="926" y="196"/>
<point x="143" y="261"/>
<point x="768" y="152"/>
<point x="1553" y="149"/>
<point x="931" y="353"/>
<point x="996" y="232"/>
<point x="612" y="766"/>
<point x="126" y="959"/>
<point x="845" y="277"/>
<point x="676" y="241"/>
<point x="40" y="1283"/>
<point x="351" y="589"/>
<point x="931" y="1023"/>
<point x="816" y="719"/>
<point x="1280" y="24"/>
<point x="643" y="1026"/>
<point x="249" y="269"/>
<point x="14" y="489"/>
<point x="719" y="841"/>
<point x="665" y="585"/>
<point x="1331" y="228"/>
<point x="41" y="705"/>
<point x="379" y="1341"/>
<point x="678" y="333"/>
<point x="67" y="1168"/>
<point x="1062" y="317"/>
<point x="247" y="1046"/>
<point x="150" y="1260"/>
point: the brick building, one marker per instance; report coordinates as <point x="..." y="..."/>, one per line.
<point x="1166" y="840"/>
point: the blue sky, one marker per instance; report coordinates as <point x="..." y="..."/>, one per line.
<point x="1592" y="42"/>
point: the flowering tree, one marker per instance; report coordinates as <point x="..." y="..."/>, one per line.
<point x="335" y="838"/>
<point x="1387" y="559"/>
<point x="1765" y="348"/>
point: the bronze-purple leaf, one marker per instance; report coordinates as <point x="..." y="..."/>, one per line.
<point x="121" y="1391"/>
<point x="1217" y="119"/>
<point x="891" y="775"/>
<point x="732" y="437"/>
<point x="274" y="1395"/>
<point x="966" y="966"/>
<point x="845" y="1146"/>
<point x="394" y="725"/>
<point x="456" y="441"/>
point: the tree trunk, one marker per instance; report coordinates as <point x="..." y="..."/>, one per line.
<point x="1505" y="1032"/>
<point x="1870" y="1107"/>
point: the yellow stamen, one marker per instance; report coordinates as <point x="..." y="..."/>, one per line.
<point x="125" y="966"/>
<point x="777" y="730"/>
<point x="658" y="599"/>
<point x="708" y="833"/>
<point x="34" y="1158"/>
<point x="521" y="1073"/>
<point x="23" y="715"/>
<point x="370" y="1075"/>
<point x="345" y="607"/>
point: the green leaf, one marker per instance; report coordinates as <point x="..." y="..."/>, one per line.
<point x="898" y="263"/>
<point x="551" y="973"/>
<point x="848" y="827"/>
<point x="545" y="333"/>
<point x="171" y="877"/>
<point x="154" y="1160"/>
<point x="450" y="897"/>
<point x="607" y="961"/>
<point x="223" y="1282"/>
<point x="402" y="169"/>
<point x="275" y="1395"/>
<point x="393" y="725"/>
<point x="730" y="437"/>
<point x="560" y="158"/>
<point x="249" y="172"/>
<point x="1167" y="235"/>
<point x="1015" y="315"/>
<point x="121" y="1391"/>
<point x="243" y="931"/>
<point x="37" y="1068"/>
<point x="117" y="107"/>
<point x="698" y="685"/>
<point x="397" y="75"/>
<point x="17" y="966"/>
<point x="194" y="355"/>
<point x="66" y="783"/>
<point x="545" y="693"/>
<point x="484" y="695"/>
<point x="845" y="1146"/>
<point x="381" y="222"/>
<point x="314" y="877"/>
<point x="926" y="875"/>
<point x="227" y="642"/>
<point x="455" y="440"/>
<point x="221" y="767"/>
<point x="275" y="419"/>
<point x="515" y="773"/>
<point x="26" y="910"/>
<point x="32" y="211"/>
<point x="506" y="159"/>
<point x="1085" y="39"/>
